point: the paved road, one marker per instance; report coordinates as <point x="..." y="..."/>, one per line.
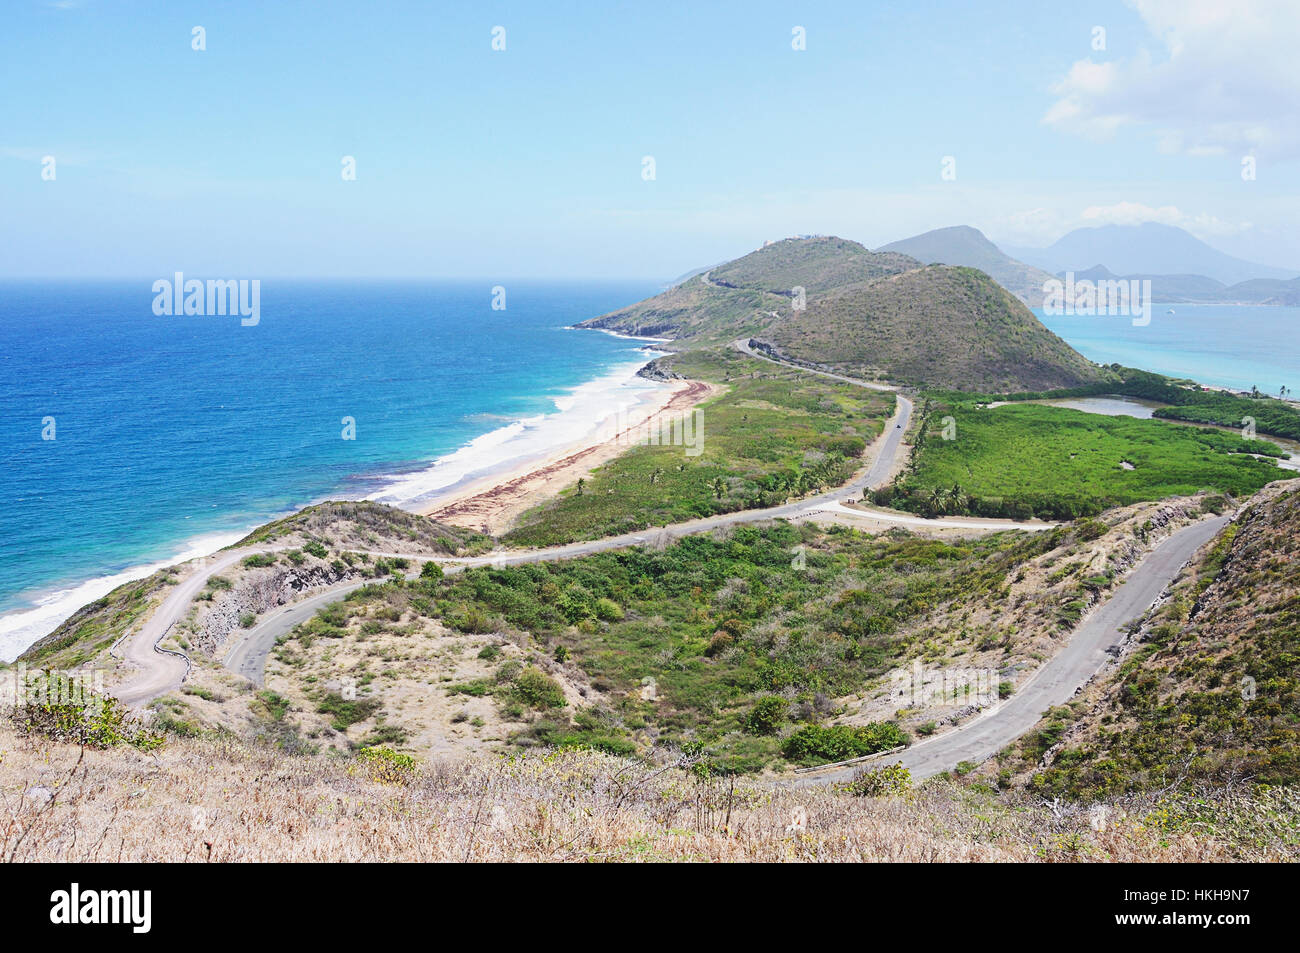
<point x="1058" y="680"/>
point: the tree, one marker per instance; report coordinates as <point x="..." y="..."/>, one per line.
<point x="582" y="483"/>
<point x="719" y="488"/>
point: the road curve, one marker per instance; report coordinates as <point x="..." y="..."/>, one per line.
<point x="1056" y="682"/>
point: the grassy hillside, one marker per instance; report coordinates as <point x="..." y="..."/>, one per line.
<point x="966" y="246"/>
<point x="1056" y="463"/>
<point x="937" y="327"/>
<point x="1211" y="694"/>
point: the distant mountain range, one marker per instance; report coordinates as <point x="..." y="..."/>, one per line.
<point x="1147" y="249"/>
<point x="1181" y="267"/>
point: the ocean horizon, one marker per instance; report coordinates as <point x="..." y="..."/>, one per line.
<point x="174" y="436"/>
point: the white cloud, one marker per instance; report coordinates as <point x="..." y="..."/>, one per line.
<point x="1225" y="81"/>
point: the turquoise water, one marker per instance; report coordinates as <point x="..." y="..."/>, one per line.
<point x="174" y="435"/>
<point x="1219" y="345"/>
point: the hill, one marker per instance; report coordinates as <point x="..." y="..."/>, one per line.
<point x="963" y="245"/>
<point x="937" y="326"/>
<point x="878" y="313"/>
<point x="1150" y="249"/>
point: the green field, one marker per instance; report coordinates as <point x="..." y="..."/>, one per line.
<point x="776" y="432"/>
<point x="1056" y="463"/>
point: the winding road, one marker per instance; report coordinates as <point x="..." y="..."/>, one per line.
<point x="1086" y="652"/>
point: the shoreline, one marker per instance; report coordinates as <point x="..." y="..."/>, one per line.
<point x="491" y="503"/>
<point x="42" y="611"/>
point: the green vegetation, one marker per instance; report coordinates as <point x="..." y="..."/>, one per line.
<point x="817" y="744"/>
<point x="57" y="707"/>
<point x="889" y="781"/>
<point x="1059" y="464"/>
<point x="869" y="314"/>
<point x="1188" y="401"/>
<point x="777" y="433"/>
<point x="94" y="627"/>
<point x="258" y="560"/>
<point x="741" y="645"/>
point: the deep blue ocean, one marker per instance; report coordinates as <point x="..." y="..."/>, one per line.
<point x="175" y="434"/>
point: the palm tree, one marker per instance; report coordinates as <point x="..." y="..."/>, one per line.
<point x="582" y="483"/>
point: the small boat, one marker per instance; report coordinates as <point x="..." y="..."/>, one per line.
<point x="1170" y="311"/>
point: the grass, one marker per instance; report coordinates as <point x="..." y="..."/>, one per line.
<point x="261" y="804"/>
<point x="775" y="433"/>
<point x="1057" y="463"/>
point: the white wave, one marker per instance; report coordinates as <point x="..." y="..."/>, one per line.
<point x="20" y="628"/>
<point x="578" y="415"/>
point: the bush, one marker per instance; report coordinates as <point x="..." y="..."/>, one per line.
<point x="892" y="779"/>
<point x="767" y="715"/>
<point x="607" y="610"/>
<point x="65" y="711"/>
<point x="385" y="765"/>
<point x="538" y="690"/>
<point x="316" y="549"/>
<point x="248" y="620"/>
<point x="814" y="744"/>
<point x="430" y="570"/>
<point x="259" y="560"/>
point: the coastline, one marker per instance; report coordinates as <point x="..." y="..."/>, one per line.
<point x="493" y="461"/>
<point x="490" y="504"/>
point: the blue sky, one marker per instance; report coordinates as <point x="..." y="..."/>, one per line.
<point x="527" y="162"/>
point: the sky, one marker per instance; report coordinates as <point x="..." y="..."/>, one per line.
<point x="530" y="161"/>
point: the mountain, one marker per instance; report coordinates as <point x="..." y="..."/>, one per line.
<point x="963" y="245"/>
<point x="1150" y="249"/>
<point x="866" y="313"/>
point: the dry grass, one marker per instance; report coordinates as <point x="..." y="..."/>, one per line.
<point x="223" y="801"/>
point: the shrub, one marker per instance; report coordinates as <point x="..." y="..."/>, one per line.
<point x="892" y="779"/>
<point x="815" y="744"/>
<point x="538" y="690"/>
<point x="317" y="549"/>
<point x="767" y="715"/>
<point x="259" y="560"/>
<point x="607" y="610"/>
<point x="386" y="766"/>
<point x="64" y="711"/>
<point x="430" y="570"/>
<point x="346" y="712"/>
<point x="248" y="620"/>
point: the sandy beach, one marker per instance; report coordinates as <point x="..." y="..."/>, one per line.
<point x="492" y="503"/>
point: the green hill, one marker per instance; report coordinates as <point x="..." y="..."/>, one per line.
<point x="878" y="314"/>
<point x="937" y="326"/>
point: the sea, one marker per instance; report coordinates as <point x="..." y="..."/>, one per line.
<point x="131" y="440"/>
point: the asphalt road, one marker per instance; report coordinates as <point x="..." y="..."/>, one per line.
<point x="1086" y="653"/>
